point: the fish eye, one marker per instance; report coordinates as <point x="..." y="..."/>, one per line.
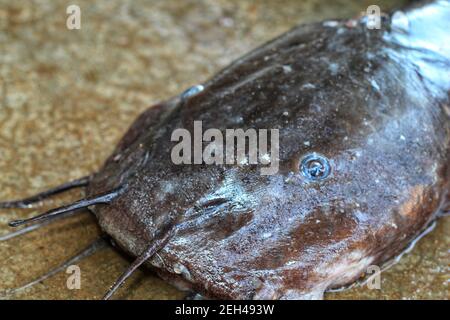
<point x="315" y="167"/>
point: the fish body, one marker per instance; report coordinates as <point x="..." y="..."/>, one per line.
<point x="373" y="103"/>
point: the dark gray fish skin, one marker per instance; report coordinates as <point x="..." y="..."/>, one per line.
<point x="374" y="102"/>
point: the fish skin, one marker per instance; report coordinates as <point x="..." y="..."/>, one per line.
<point x="374" y="102"/>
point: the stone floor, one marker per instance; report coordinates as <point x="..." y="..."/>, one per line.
<point x="67" y="96"/>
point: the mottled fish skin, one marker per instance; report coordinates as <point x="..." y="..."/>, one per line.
<point x="374" y="102"/>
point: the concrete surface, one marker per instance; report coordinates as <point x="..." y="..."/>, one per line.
<point x="67" y="96"/>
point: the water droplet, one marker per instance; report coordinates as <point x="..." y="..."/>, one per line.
<point x="266" y="235"/>
<point x="334" y="68"/>
<point x="192" y="91"/>
<point x="287" y="69"/>
<point x="375" y="85"/>
<point x="370" y="55"/>
<point x="308" y="86"/>
<point x="315" y="167"/>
